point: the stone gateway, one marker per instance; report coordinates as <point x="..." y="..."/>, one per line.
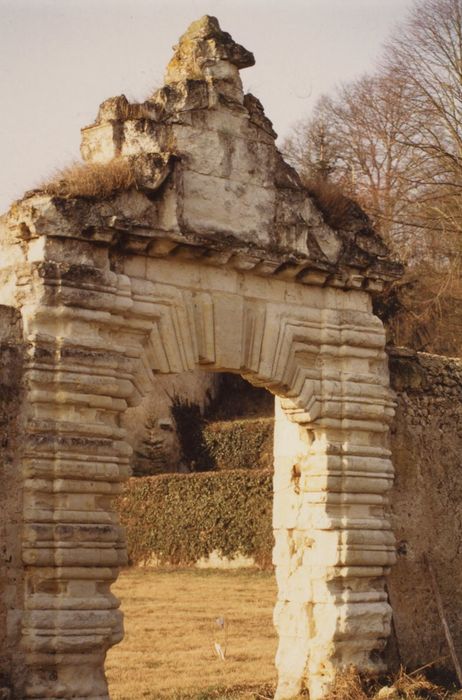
<point x="187" y="242"/>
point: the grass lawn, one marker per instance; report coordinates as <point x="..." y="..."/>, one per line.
<point x="170" y="631"/>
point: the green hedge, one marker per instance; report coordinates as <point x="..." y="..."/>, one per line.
<point x="179" y="518"/>
<point x="240" y="444"/>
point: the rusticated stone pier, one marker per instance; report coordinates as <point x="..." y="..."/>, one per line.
<point x="212" y="256"/>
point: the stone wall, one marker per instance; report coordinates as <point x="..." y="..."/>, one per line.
<point x="10" y="490"/>
<point x="427" y="504"/>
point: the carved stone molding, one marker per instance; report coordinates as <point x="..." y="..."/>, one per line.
<point x="95" y="338"/>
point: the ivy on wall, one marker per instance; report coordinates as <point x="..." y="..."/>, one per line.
<point x="179" y="518"/>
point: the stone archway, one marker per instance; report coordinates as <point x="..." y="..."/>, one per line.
<point x="212" y="256"/>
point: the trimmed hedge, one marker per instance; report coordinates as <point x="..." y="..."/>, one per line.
<point x="179" y="518"/>
<point x="240" y="444"/>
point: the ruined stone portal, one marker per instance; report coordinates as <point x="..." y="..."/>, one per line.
<point x="194" y="246"/>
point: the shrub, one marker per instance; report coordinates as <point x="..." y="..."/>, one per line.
<point x="179" y="518"/>
<point x="240" y="444"/>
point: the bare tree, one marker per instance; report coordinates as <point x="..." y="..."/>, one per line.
<point x="312" y="146"/>
<point x="393" y="141"/>
<point x="359" y="139"/>
<point x="426" y="57"/>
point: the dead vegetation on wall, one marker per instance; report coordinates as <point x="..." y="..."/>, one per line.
<point x="423" y="311"/>
<point x="91" y="179"/>
<point x="338" y="210"/>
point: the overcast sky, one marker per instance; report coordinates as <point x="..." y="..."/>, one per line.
<point x="59" y="59"/>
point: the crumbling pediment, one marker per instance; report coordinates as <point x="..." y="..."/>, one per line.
<point x="206" y="175"/>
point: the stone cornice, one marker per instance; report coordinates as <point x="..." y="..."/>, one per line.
<point x="106" y="223"/>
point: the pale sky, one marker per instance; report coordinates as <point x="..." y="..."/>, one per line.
<point x="59" y="59"/>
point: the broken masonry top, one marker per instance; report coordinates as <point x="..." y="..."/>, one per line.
<point x="194" y="170"/>
<point x="202" y="49"/>
<point x="203" y="71"/>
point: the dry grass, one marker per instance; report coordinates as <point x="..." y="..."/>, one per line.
<point x="91" y="179"/>
<point x="416" y="685"/>
<point x="404" y="686"/>
<point x="170" y="629"/>
<point x="349" y="686"/>
<point x="339" y="211"/>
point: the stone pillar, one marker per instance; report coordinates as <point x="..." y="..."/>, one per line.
<point x="351" y="553"/>
<point x="293" y="609"/>
<point x="333" y="542"/>
<point x="78" y="377"/>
